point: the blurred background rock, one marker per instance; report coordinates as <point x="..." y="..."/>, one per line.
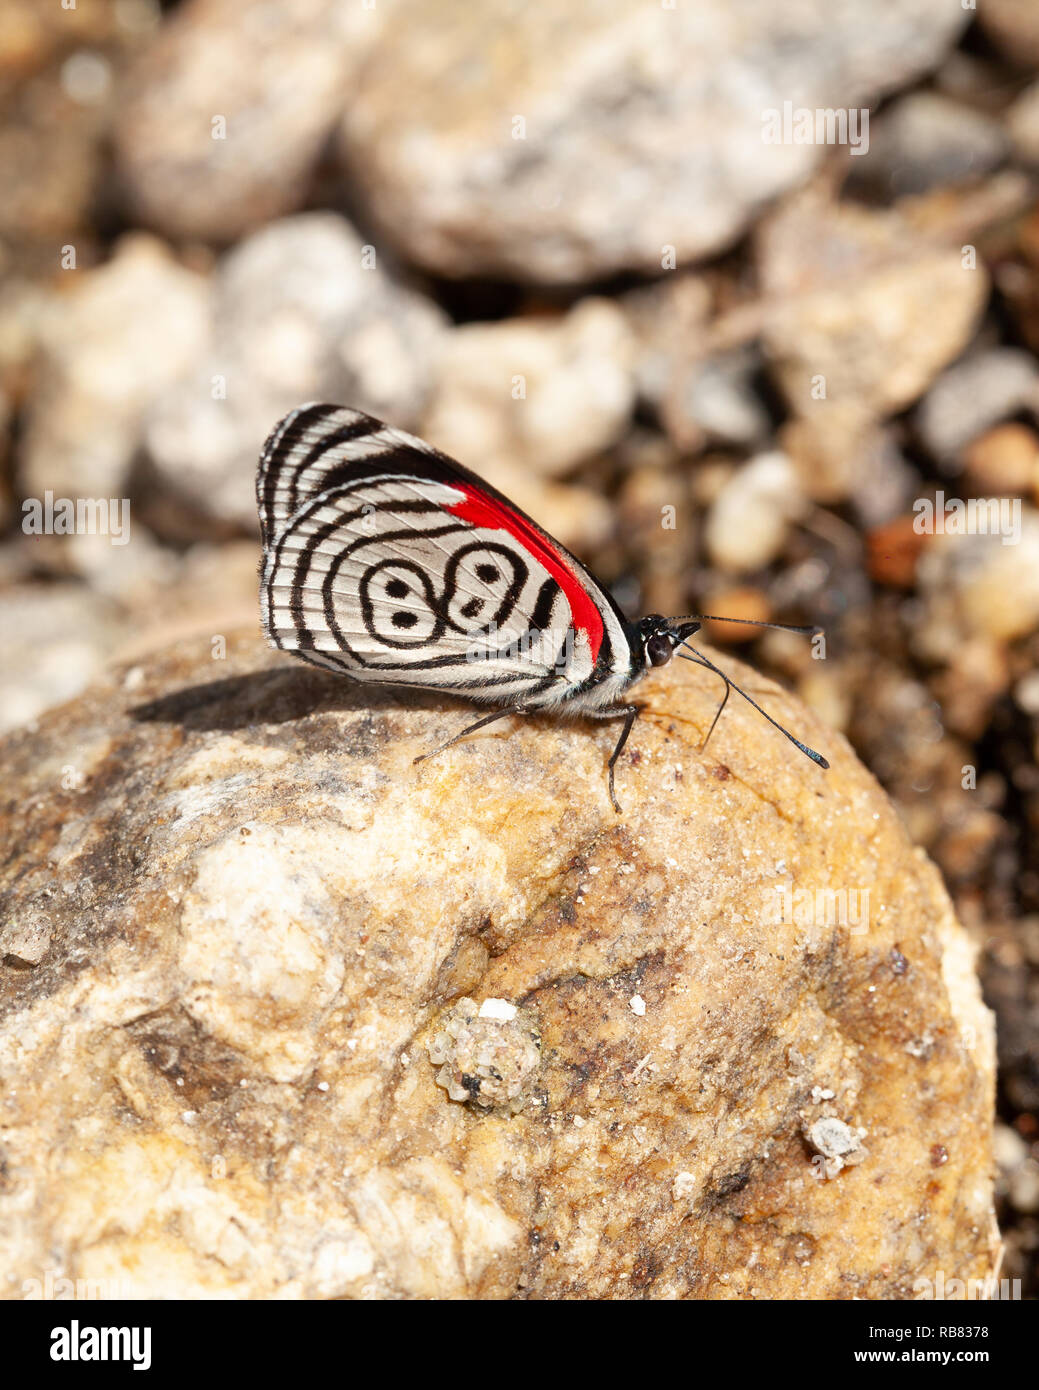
<point x="555" y="242"/>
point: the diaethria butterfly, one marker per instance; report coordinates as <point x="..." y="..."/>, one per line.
<point x="387" y="561"/>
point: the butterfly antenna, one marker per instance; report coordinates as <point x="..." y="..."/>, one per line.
<point x="700" y="660"/>
<point x="811" y="631"/>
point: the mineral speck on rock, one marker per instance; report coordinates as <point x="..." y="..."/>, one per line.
<point x="837" y="1144"/>
<point x="488" y="1054"/>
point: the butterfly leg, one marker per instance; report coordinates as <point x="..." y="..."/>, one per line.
<point x="725" y="698"/>
<point x="630" y="714"/>
<point x="471" y="729"/>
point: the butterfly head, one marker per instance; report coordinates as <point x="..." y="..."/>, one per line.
<point x="658" y="637"/>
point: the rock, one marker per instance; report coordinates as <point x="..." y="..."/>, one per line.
<point x="655" y="536"/>
<point x="59" y="66"/>
<point x="1009" y="1149"/>
<point x="6" y="478"/>
<point x="894" y="551"/>
<point x="1004" y="460"/>
<point x="570" y="146"/>
<point x="1013" y="26"/>
<point x="55" y="640"/>
<point x="1024" y="1188"/>
<point x="839" y="1146"/>
<point x="977" y="586"/>
<point x="111" y="345"/>
<point x="253" y="917"/>
<point x="898" y="722"/>
<point x="1018" y="279"/>
<point x="297" y="315"/>
<point x="525" y="400"/>
<point x="228" y="110"/>
<point x="540" y="394"/>
<point x="925" y="140"/>
<point x="488" y="1054"/>
<point x="1023" y="125"/>
<point x="669" y="320"/>
<point x="747" y="523"/>
<point x="701" y="396"/>
<point x="737" y="601"/>
<point x="56" y="637"/>
<point x="972" y="396"/>
<point x="1026" y="693"/>
<point x="24" y="306"/>
<point x="1009" y="977"/>
<point x="865" y="311"/>
<point x="977" y="676"/>
<point x="840" y="452"/>
<point x="714" y="401"/>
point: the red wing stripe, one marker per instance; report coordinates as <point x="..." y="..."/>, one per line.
<point x="482" y="511"/>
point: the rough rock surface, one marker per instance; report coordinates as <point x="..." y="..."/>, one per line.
<point x="240" y="947"/>
<point x="643" y="124"/>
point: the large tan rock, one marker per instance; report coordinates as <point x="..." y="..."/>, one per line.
<point x="251" y="953"/>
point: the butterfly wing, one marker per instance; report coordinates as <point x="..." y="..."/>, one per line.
<point x="388" y="561"/>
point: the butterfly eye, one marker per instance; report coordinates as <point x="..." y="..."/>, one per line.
<point x="658" y="649"/>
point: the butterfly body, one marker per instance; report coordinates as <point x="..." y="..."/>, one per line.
<point x="390" y="563"/>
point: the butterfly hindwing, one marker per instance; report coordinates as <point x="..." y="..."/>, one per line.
<point x="387" y="560"/>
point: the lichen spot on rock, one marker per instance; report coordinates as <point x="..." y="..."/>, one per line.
<point x="488" y="1053"/>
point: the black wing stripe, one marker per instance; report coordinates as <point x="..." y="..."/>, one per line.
<point x="345" y="434"/>
<point x="276" y="456"/>
<point x="289" y="471"/>
<point x="547" y="594"/>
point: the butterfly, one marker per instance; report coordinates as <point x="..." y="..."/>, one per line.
<point x="388" y="562"/>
